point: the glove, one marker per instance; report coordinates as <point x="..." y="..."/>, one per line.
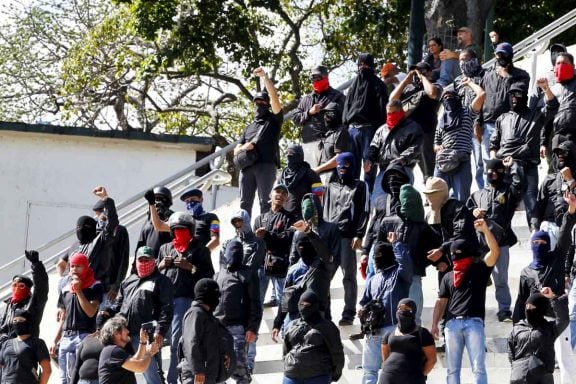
<point x="32" y="256"/>
<point x="363" y="267"/>
<point x="150" y="198"/>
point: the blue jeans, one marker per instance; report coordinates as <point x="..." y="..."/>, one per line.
<point x="372" y="355"/>
<point x="277" y="285"/>
<point x="478" y="163"/>
<point x="84" y="381"/>
<point x="488" y="129"/>
<point x="67" y="355"/>
<point x="181" y="305"/>
<point x="152" y="373"/>
<point x="361" y="137"/>
<point x="323" y="379"/>
<point x="241" y="374"/>
<point x="348" y="265"/>
<point x="500" y="276"/>
<point x="371" y="269"/>
<point x="416" y="294"/>
<point x="459" y="180"/>
<point x="572" y="313"/>
<point x="469" y="333"/>
<point x="449" y="70"/>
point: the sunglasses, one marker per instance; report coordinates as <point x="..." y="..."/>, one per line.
<point x="517" y="94"/>
<point x="316" y="77"/>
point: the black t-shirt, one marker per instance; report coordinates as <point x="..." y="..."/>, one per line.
<point x="426" y="112"/>
<point x="76" y="318"/>
<point x="88" y="355"/>
<point x="207" y="225"/>
<point x="470" y="298"/>
<point x="19" y="360"/>
<point x="406" y="359"/>
<point x="110" y="369"/>
<point x="267" y="142"/>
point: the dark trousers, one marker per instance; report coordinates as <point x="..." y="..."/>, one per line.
<point x="362" y="135"/>
<point x="261" y="177"/>
<point x="427" y="159"/>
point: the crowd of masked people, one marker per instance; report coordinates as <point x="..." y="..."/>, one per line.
<point x="345" y="199"/>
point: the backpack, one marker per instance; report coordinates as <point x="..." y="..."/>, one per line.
<point x="227" y="363"/>
<point x="373" y="315"/>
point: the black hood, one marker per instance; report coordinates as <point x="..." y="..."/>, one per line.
<point x="566" y="145"/>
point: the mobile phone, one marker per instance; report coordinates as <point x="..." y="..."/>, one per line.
<point x="150" y="328"/>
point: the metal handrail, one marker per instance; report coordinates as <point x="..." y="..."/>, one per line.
<point x="553" y="29"/>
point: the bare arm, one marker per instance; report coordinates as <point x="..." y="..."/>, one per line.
<point x="157" y="222"/>
<point x="274" y="99"/>
<point x="430" y="358"/>
<point x="397" y="92"/>
<point x="430" y="89"/>
<point x="61" y="266"/>
<point x="439" y="309"/>
<point x="46" y="372"/>
<point x="478" y="101"/>
<point x="213" y="243"/>
<point x="494" y="250"/>
<point x="330" y="164"/>
<point x="385" y="351"/>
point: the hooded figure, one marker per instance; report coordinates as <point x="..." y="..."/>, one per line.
<point x="22" y="327"/>
<point x="406" y="317"/>
<point x="234" y="255"/>
<point x="495" y="171"/>
<point x="87" y="275"/>
<point x="345" y="166"/>
<point x="450" y="119"/>
<point x="86" y="229"/>
<point x="309" y="307"/>
<point x="411" y="206"/>
<point x="537" y="306"/>
<point x="306" y="251"/>
<point x="384" y="256"/>
<point x="540" y="244"/>
<point x="245" y="230"/>
<point x="437" y="194"/>
<point x="206" y="291"/>
<point x="254" y="248"/>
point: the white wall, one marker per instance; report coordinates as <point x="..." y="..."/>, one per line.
<point x="53" y="171"/>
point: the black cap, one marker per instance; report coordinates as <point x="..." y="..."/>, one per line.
<point x="191" y="192"/>
<point x="518" y="87"/>
<point x="99" y="206"/>
<point x="319" y="70"/>
<point x="421" y="66"/>
<point x="24" y="279"/>
<point x="494" y="164"/>
<point x="264" y="96"/>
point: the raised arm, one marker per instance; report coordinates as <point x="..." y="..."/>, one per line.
<point x="274" y="99"/>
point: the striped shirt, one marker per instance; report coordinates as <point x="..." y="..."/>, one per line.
<point x="459" y="139"/>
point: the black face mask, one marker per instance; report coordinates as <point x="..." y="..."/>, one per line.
<point x="86" y="229"/>
<point x="309" y="307"/>
<point x="162" y="210"/>
<point x="406" y="321"/>
<point x="494" y="177"/>
<point x="534" y="317"/>
<point x="307" y="252"/>
<point x="384" y="257"/>
<point x="452" y="104"/>
<point x="521" y="104"/>
<point x="503" y="61"/>
<point x="22" y="328"/>
<point x="261" y="111"/>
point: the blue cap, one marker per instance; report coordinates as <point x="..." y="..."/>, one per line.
<point x="505" y="48"/>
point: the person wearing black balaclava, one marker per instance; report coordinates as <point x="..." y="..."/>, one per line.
<point x="534" y="337"/>
<point x="336" y="140"/>
<point x="496" y="82"/>
<point x="408" y="352"/>
<point x="310" y="111"/>
<point x="313" y="352"/>
<point x="96" y="245"/>
<point x="155" y="232"/>
<point x="497" y="202"/>
<point x="346" y="203"/>
<point x="22" y="356"/>
<point x="389" y="285"/>
<point x="299" y="178"/>
<point x="262" y="136"/>
<point x="310" y="272"/>
<point x="364" y="111"/>
<point x="200" y="361"/>
<point x="239" y="310"/>
<point x="518" y="135"/>
<point x="547" y="268"/>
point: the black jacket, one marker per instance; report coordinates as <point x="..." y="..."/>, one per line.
<point x="500" y="203"/>
<point x="520" y="135"/>
<point x="143" y="300"/>
<point x="328" y="233"/>
<point x="531" y="280"/>
<point x="524" y="340"/>
<point x="366" y="100"/>
<point x="565" y="120"/>
<point x="240" y="298"/>
<point x="496" y="87"/>
<point x="347" y="205"/>
<point x="313" y="125"/>
<point x="120" y="257"/>
<point x="183" y="280"/>
<point x="34" y="304"/>
<point x="197" y="345"/>
<point x="313" y="350"/>
<point x="278" y="236"/>
<point x="401" y="146"/>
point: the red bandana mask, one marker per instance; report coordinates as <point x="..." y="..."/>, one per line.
<point x="181" y="239"/>
<point x="145" y="268"/>
<point x="87" y="277"/>
<point x="563" y="72"/>
<point x="393" y="118"/>
<point x="20" y="291"/>
<point x="321" y="85"/>
<point x="461" y="266"/>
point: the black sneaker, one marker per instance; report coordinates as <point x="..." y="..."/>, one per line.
<point x="504" y="316"/>
<point x="270" y="304"/>
<point x="344" y="322"/>
<point x="441" y="348"/>
<point x="356" y="336"/>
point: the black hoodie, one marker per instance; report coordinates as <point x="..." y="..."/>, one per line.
<point x="366" y="100"/>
